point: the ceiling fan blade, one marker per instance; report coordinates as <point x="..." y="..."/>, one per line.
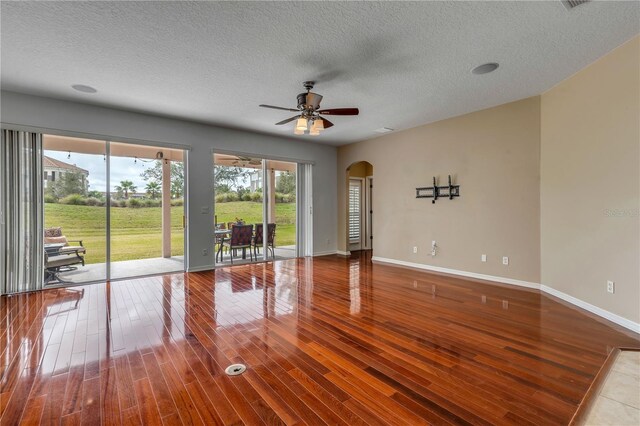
<point x="340" y="111"/>
<point x="277" y="107"/>
<point x="326" y="123"/>
<point x="288" y="120"/>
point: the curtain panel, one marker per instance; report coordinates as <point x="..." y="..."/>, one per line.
<point x="21" y="212"/>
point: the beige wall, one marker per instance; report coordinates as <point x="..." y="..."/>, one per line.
<point x="590" y="147"/>
<point x="494" y="156"/>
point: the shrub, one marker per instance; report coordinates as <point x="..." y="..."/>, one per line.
<point x="50" y="199"/>
<point x="134" y="203"/>
<point x="118" y="203"/>
<point x="227" y="197"/>
<point x="92" y="201"/>
<point x="256" y="196"/>
<point x="246" y="196"/>
<point x="177" y="202"/>
<point x="148" y="202"/>
<point x="74" y="199"/>
<point x="289" y="198"/>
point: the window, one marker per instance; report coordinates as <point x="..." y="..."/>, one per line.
<point x="355" y="189"/>
<point x="53" y="176"/>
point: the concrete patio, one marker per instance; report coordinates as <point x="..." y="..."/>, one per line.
<point x="122" y="269"/>
<point x="158" y="265"/>
<point x="284" y="252"/>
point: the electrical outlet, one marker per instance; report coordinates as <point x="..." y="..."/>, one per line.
<point x="611" y="287"/>
<point x="505" y="260"/>
<point x="415" y="249"/>
<point x="205" y="252"/>
<point x="483" y="258"/>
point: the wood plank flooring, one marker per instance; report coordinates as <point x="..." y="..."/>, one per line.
<point x="326" y="340"/>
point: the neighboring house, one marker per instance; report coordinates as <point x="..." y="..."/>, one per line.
<point x="53" y="169"/>
<point x="255" y="179"/>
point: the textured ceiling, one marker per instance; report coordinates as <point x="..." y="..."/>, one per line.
<point x="403" y="64"/>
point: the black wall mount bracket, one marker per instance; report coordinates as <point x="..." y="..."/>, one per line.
<point x="450" y="191"/>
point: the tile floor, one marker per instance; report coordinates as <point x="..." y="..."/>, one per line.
<point x="619" y="400"/>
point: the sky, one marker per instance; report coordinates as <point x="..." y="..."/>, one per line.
<point x="122" y="168"/>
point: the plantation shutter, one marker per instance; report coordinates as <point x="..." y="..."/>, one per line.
<point x="354" y="211"/>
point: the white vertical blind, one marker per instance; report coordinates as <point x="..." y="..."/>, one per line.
<point x="355" y="194"/>
<point x="21" y="212"/>
<point x="304" y="210"/>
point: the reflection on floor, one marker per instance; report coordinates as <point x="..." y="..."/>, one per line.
<point x="618" y="402"/>
<point x="327" y="340"/>
<point x="122" y="269"/>
<point x="283" y="252"/>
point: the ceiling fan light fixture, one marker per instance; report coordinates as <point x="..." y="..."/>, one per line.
<point x="318" y="124"/>
<point x="298" y="131"/>
<point x="301" y="124"/>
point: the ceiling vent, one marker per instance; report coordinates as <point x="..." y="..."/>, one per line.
<point x="570" y="4"/>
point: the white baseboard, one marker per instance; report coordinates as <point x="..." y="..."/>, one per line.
<point x="475" y="275"/>
<point x="201" y="268"/>
<point x="324" y="253"/>
<point x="628" y="324"/>
<point x="617" y="319"/>
<point x="343" y="253"/>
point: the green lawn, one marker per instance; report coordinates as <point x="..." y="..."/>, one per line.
<point x="136" y="233"/>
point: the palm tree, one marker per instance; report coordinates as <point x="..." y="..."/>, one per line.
<point x="153" y="189"/>
<point x="126" y="186"/>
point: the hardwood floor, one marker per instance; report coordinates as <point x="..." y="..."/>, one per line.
<point x="326" y="340"/>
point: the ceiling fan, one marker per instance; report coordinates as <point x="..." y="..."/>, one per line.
<point x="309" y="117"/>
<point x="246" y="161"/>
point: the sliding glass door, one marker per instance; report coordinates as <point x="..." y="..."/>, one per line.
<point x="147" y="210"/>
<point x="239" y="189"/>
<point x="255" y="206"/>
<point x="282" y="206"/>
<point x="111" y="210"/>
<point x="75" y="209"/>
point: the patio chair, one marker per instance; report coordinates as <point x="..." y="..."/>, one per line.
<point x="219" y="239"/>
<point x="55" y="236"/>
<point x="241" y="236"/>
<point x="258" y="239"/>
<point x="59" y="255"/>
<point x="56" y="262"/>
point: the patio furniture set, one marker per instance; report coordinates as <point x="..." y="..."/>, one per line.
<point x="234" y="236"/>
<point x="61" y="256"/>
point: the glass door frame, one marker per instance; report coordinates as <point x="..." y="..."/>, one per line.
<point x="304" y="203"/>
<point x="107" y="140"/>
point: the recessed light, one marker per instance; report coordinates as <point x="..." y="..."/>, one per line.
<point x="384" y="130"/>
<point x="83" y="88"/>
<point x="485" y="68"/>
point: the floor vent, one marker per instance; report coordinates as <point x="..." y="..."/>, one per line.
<point x="235" y="369"/>
<point x="570" y="4"/>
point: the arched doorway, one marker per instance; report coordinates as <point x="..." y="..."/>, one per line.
<point x="359" y="204"/>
